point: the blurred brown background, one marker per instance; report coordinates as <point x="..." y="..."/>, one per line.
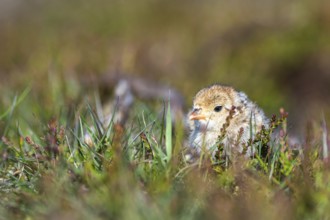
<point x="277" y="51"/>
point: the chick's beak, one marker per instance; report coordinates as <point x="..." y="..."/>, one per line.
<point x="196" y="115"/>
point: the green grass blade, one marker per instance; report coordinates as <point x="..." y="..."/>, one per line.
<point x="162" y="126"/>
<point x="168" y="137"/>
<point x="16" y="102"/>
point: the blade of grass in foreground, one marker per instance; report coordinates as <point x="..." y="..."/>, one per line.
<point x="168" y="133"/>
<point x="10" y="110"/>
<point x="16" y="102"/>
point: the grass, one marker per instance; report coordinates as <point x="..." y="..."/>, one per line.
<point x="75" y="167"/>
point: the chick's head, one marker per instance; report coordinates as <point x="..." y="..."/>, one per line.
<point x="211" y="107"/>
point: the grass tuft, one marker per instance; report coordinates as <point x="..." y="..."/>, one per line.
<point x="86" y="169"/>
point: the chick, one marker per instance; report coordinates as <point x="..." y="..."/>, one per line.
<point x="212" y="106"/>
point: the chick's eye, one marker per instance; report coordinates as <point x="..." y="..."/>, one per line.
<point x="218" y="108"/>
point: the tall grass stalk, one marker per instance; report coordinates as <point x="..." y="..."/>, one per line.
<point x="168" y="133"/>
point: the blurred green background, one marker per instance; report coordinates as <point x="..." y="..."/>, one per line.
<point x="276" y="51"/>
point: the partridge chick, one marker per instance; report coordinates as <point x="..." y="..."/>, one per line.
<point x="212" y="106"/>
